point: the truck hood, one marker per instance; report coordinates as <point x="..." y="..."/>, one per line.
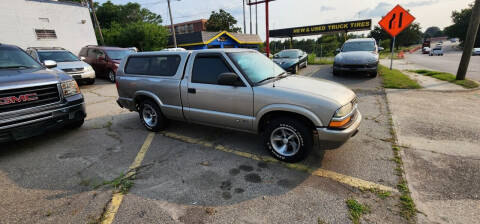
<point x="11" y="78"/>
<point x="356" y="58"/>
<point x="316" y="87"/>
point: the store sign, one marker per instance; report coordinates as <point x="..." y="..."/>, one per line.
<point x="322" y="29"/>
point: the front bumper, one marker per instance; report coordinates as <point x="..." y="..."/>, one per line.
<point x="24" y="125"/>
<point x="359" y="68"/>
<point x="337" y="137"/>
<point x="83" y="75"/>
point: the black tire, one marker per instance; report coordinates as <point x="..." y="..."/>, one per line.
<point x="306" y="64"/>
<point x="90" y="81"/>
<point x="295" y="69"/>
<point x="336" y="73"/>
<point x="302" y="140"/>
<point x="373" y="74"/>
<point x="76" y="124"/>
<point x="153" y="112"/>
<point x="111" y="76"/>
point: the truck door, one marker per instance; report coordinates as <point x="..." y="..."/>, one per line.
<point x="214" y="104"/>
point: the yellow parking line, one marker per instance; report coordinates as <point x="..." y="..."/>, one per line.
<point x="118" y="197"/>
<point x="348" y="180"/>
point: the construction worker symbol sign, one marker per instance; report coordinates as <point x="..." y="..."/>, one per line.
<point x="396" y="21"/>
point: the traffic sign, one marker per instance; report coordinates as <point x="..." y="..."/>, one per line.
<point x="396" y="21"/>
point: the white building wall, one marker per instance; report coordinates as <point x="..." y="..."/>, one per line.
<point x="20" y="18"/>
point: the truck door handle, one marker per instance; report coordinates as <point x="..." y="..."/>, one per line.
<point x="192" y="90"/>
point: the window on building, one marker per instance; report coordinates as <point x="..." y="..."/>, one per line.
<point x="206" y="69"/>
<point x="44" y="20"/>
<point x="45" y="34"/>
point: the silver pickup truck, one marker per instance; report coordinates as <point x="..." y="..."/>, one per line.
<point x="238" y="89"/>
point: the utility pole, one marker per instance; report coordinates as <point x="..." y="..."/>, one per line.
<point x="256" y="20"/>
<point x="250" y="10"/>
<point x="102" y="42"/>
<point x="172" y="26"/>
<point x="244" y="23"/>
<point x="469" y="41"/>
<point x="267" y="29"/>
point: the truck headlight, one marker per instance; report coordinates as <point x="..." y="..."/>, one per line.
<point x="70" y="88"/>
<point x="344" y="110"/>
<point x="87" y="68"/>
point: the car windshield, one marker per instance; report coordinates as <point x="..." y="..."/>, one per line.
<point x="359" y="46"/>
<point x="257" y="67"/>
<point x="14" y="58"/>
<point x="118" y="54"/>
<point x="287" y="54"/>
<point x="58" y="56"/>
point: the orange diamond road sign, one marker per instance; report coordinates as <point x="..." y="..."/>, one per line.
<point x="396" y="20"/>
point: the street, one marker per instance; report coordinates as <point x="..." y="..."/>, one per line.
<point x="447" y="63"/>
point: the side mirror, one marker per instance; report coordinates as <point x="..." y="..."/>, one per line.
<point x="337" y="51"/>
<point x="381" y="49"/>
<point x="228" y="79"/>
<point x="50" y="63"/>
<point x="82" y="58"/>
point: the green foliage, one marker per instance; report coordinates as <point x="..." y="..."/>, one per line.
<point x="469" y="84"/>
<point x="314" y="60"/>
<point x="459" y="28"/>
<point x="411" y="35"/>
<point x="356" y="210"/>
<point x="121" y="184"/>
<point x="222" y="20"/>
<point x="433" y="31"/>
<point x="396" y="80"/>
<point x="144" y="36"/>
<point x="109" y="13"/>
<point x="130" y="25"/>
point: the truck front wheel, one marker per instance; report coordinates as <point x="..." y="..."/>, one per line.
<point x="287" y="139"/>
<point x="151" y="116"/>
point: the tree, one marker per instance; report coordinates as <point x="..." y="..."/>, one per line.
<point x="145" y="36"/>
<point x="433" y="31"/>
<point x="222" y="20"/>
<point x="411" y="35"/>
<point x="460" y="25"/>
<point x="107" y="13"/>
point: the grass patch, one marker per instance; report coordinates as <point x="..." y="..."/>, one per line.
<point x="395" y="79"/>
<point x="314" y="60"/>
<point x="469" y="84"/>
<point x="383" y="194"/>
<point x="121" y="184"/>
<point x="356" y="210"/>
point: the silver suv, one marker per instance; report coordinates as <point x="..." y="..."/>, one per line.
<point x="357" y="55"/>
<point x="238" y="89"/>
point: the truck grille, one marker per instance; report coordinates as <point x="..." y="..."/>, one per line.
<point x="24" y="98"/>
<point x="73" y="70"/>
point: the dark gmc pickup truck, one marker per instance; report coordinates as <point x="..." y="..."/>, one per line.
<point x="34" y="98"/>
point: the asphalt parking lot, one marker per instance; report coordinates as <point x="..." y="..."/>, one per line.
<point x="196" y="174"/>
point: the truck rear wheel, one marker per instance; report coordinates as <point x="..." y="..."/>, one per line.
<point x="287" y="139"/>
<point x="151" y="116"/>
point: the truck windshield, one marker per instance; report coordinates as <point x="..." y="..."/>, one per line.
<point x="58" y="56"/>
<point x="255" y="66"/>
<point x="118" y="54"/>
<point x="13" y="58"/>
<point x="359" y="46"/>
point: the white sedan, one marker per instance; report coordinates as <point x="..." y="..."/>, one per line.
<point x="476" y="51"/>
<point x="436" y="51"/>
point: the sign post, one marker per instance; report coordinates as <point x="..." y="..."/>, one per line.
<point x="394" y="23"/>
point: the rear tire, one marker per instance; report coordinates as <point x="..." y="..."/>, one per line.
<point x="295" y="69"/>
<point x="287" y="139"/>
<point x="151" y="116"/>
<point x="336" y="73"/>
<point x="111" y="76"/>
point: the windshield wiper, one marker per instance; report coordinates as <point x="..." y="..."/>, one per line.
<point x="265" y="79"/>
<point x="15" y="66"/>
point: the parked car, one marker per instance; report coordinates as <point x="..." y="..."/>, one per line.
<point x="291" y="60"/>
<point x="436" y="51"/>
<point x="476" y="51"/>
<point x="34" y="98"/>
<point x="238" y="89"/>
<point x="426" y="50"/>
<point x="357" y="55"/>
<point x="104" y="60"/>
<point x="66" y="62"/>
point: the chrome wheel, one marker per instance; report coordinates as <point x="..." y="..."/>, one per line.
<point x="149" y="115"/>
<point x="285" y="141"/>
<point x="111" y="76"/>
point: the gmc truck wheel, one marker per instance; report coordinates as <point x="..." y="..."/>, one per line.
<point x="288" y="140"/>
<point x="151" y="116"/>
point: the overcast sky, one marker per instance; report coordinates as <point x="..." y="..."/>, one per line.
<point x="291" y="13"/>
